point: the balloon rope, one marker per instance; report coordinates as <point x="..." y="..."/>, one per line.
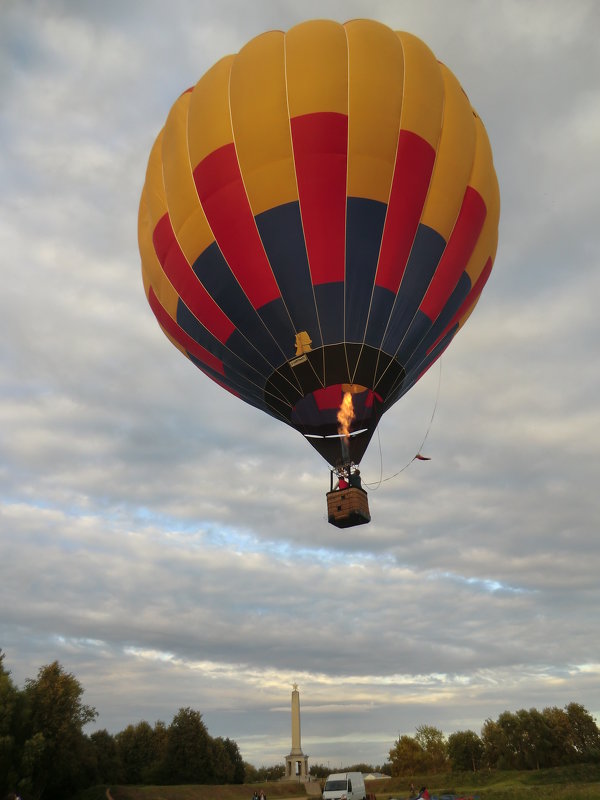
<point x="374" y="486"/>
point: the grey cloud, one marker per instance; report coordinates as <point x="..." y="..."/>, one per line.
<point x="167" y="543"/>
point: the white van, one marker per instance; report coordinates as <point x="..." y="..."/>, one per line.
<point x="345" y="786"/>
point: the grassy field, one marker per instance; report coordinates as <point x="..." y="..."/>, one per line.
<point x="274" y="791"/>
<point x="580" y="782"/>
<point x="568" y="783"/>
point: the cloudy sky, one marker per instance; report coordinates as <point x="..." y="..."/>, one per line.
<point x="167" y="543"/>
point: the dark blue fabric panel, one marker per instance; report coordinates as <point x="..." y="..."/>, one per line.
<point x="231" y="361"/>
<point x="381" y="308"/>
<point x="277" y="322"/>
<point x="424" y="257"/>
<point x="417" y="330"/>
<point x="306" y="412"/>
<point x="418" y="369"/>
<point x="455" y="301"/>
<point x="364" y="228"/>
<point x="245" y="351"/>
<point x="330" y="305"/>
<point x="212" y="270"/>
<point x="283" y="239"/>
<point x="249" y="393"/>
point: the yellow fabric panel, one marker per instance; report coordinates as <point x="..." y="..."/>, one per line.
<point x="423" y="101"/>
<point x="177" y="172"/>
<point x="376" y="77"/>
<point x="317" y="68"/>
<point x="187" y="216"/>
<point x="261" y="127"/>
<point x="154" y="188"/>
<point x="209" y="121"/>
<point x="152" y="272"/>
<point x="483" y="179"/>
<point x="454" y="159"/>
<point x="484" y="249"/>
<point x="144" y="243"/>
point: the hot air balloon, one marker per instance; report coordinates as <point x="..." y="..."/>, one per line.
<point x="318" y="219"/>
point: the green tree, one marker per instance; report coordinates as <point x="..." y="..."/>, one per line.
<point x="535" y="739"/>
<point x="188" y="756"/>
<point x="222" y="766"/>
<point x="493" y="740"/>
<point x="31" y="766"/>
<point x="360" y="767"/>
<point x="561" y="747"/>
<point x="160" y="741"/>
<point x="273" y="773"/>
<point x="108" y="762"/>
<point x="465" y="750"/>
<point x="510" y="754"/>
<point x="56" y="713"/>
<point x="585" y="736"/>
<point x="137" y="752"/>
<point x="237" y="762"/>
<point x="407" y="757"/>
<point x="433" y="743"/>
<point x="9" y="703"/>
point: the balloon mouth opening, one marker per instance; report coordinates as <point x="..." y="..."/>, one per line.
<point x="307" y="395"/>
<point x="340" y="411"/>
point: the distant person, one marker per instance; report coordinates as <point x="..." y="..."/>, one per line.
<point x="341" y="484"/>
<point x="355" y="479"/>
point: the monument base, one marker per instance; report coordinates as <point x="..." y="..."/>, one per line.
<point x="296" y="768"/>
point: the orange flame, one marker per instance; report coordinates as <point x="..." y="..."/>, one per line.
<point x="345" y="414"/>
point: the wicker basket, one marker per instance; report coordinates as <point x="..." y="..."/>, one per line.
<point x="348" y="507"/>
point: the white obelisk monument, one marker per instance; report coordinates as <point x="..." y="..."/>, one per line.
<point x="296" y="764"/>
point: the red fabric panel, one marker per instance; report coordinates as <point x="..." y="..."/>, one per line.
<point x="223" y="197"/>
<point x="172" y="328"/>
<point x="162" y="237"/>
<point x="185" y="282"/>
<point x="412" y="174"/>
<point x="320" y="144"/>
<point x="329" y="397"/>
<point x="370" y="397"/>
<point x="457" y="253"/>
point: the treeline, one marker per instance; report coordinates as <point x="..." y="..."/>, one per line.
<point x="321" y="771"/>
<point x="263" y="774"/>
<point x="525" y="739"/>
<point x="316" y="771"/>
<point x="44" y="753"/>
<point x="183" y="752"/>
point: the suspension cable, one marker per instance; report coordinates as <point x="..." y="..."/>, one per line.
<point x="374" y="486"/>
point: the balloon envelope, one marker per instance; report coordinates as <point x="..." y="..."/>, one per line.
<point x="320" y="215"/>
